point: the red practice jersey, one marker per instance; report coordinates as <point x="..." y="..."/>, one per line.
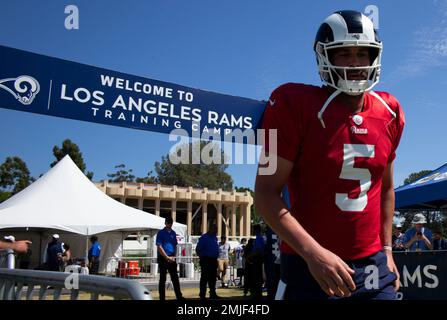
<point x="336" y="180"/>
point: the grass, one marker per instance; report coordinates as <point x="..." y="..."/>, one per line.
<point x="193" y="294"/>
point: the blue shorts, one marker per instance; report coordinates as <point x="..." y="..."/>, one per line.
<point x="301" y="285"/>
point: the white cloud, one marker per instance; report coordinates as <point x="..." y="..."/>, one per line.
<point x="429" y="47"/>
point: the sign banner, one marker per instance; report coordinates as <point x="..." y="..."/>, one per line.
<point x="40" y="84"/>
<point x="423" y="275"/>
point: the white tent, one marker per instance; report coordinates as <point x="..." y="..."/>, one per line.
<point x="64" y="199"/>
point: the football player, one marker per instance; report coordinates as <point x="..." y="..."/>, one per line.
<point x="335" y="148"/>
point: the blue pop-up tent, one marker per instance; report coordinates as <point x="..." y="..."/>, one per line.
<point x="429" y="192"/>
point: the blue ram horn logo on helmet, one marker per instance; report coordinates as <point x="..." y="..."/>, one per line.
<point x="24" y="88"/>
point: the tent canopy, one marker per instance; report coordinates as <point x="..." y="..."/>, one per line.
<point x="429" y="192"/>
<point x="65" y="199"/>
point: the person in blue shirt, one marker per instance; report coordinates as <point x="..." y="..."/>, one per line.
<point x="257" y="257"/>
<point x="418" y="238"/>
<point x="166" y="243"/>
<point x="93" y="255"/>
<point x="208" y="251"/>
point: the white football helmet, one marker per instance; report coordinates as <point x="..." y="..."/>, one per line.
<point x="345" y="29"/>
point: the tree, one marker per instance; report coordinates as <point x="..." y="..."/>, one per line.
<point x="254" y="215"/>
<point x="4" y="195"/>
<point x="416" y="176"/>
<point x="148" y="179"/>
<point x="72" y="149"/>
<point x="14" y="176"/>
<point x="121" y="175"/>
<point x="204" y="174"/>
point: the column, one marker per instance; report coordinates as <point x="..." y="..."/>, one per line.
<point x="140" y="200"/>
<point x="241" y="220"/>
<point x="219" y="219"/>
<point x="233" y="220"/>
<point x="189" y="218"/>
<point x="157" y="207"/>
<point x="140" y="204"/>
<point x="204" y="217"/>
<point x="248" y="220"/>
<point x="174" y="210"/>
<point x="227" y="221"/>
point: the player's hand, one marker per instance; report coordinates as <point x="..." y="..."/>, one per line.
<point x="21" y="246"/>
<point x="332" y="274"/>
<point x="392" y="266"/>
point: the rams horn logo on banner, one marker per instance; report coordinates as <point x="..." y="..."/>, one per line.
<point x="25" y="88"/>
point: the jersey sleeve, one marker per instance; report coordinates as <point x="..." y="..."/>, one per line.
<point x="284" y="116"/>
<point x="397" y="127"/>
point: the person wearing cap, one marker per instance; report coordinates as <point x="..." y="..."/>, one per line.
<point x="166" y="243"/>
<point x="54" y="253"/>
<point x="398" y="239"/>
<point x="418" y="238"/>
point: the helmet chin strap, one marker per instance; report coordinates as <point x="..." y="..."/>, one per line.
<point x="326" y="104"/>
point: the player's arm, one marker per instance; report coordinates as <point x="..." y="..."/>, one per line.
<point x="19" y="246"/>
<point x="387" y="203"/>
<point x="330" y="271"/>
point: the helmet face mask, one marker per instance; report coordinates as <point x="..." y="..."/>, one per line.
<point x="336" y="32"/>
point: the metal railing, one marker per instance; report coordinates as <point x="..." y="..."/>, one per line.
<point x="14" y="282"/>
<point x="7" y="259"/>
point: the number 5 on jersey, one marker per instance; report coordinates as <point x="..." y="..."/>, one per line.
<point x="350" y="152"/>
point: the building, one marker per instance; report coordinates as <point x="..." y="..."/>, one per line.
<point x="195" y="207"/>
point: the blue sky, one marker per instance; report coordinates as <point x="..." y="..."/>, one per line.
<point x="243" y="48"/>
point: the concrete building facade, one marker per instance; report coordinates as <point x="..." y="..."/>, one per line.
<point x="195" y="207"/>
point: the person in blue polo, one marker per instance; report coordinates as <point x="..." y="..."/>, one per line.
<point x="208" y="251"/>
<point x="166" y="243"/>
<point x="418" y="238"/>
<point x="93" y="255"/>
